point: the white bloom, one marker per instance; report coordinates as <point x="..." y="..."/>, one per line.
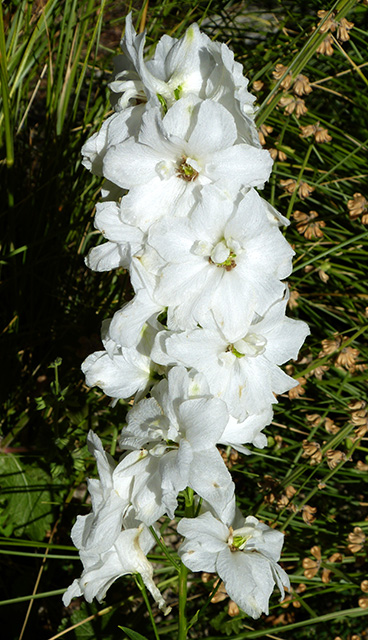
<point x="249" y="431"/>
<point x="110" y="497"/>
<point x="124" y="240"/>
<point x="126" y="555"/>
<point x="115" y="129"/>
<point x="244" y="372"/>
<point x="174" y="157"/>
<point x="121" y="371"/>
<point x="178" y="433"/>
<point x="244" y="555"/>
<point x="192" y="65"/>
<point x="226" y="259"/>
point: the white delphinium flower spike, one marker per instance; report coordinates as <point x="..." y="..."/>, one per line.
<point x="126" y="555"/>
<point x="243" y="371"/>
<point x="244" y="554"/>
<point x="174" y="157"/>
<point x="226" y="258"/>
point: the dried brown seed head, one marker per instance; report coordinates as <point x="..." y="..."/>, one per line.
<point x="313" y="419"/>
<point x="320" y="134"/>
<point x="329" y="345"/>
<point x="312" y="450"/>
<point x="278" y="72"/>
<point x="305" y="190"/>
<point x="361" y="466"/>
<point x="343" y="30"/>
<point x="307" y="223"/>
<point x="357" y="206"/>
<point x="291" y="104"/>
<point x="258" y="85"/>
<point x="334" y="457"/>
<point x="293" y="299"/>
<point x="302" y="85"/>
<point x="331" y="427"/>
<point x="356" y="540"/>
<point x="364" y="586"/>
<point x="298" y="391"/>
<point x="309" y="515"/>
<point x="320" y="371"/>
<point x="289" y="185"/>
<point x="363" y="602"/>
<point x="347" y="358"/>
<point x="290" y="491"/>
<point x="330" y="24"/>
<point x="233" y="609"/>
<point x="326" y="48"/>
<point x="263" y="132"/>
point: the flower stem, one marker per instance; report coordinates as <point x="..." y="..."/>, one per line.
<point x="189" y="512"/>
<point x="142" y="588"/>
<point x="182" y="602"/>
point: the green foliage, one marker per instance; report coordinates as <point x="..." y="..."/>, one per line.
<point x="55" y="63"/>
<point x="133" y="635"/>
<point x="26" y="496"/>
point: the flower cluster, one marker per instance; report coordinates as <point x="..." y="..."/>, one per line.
<point x="205" y="333"/>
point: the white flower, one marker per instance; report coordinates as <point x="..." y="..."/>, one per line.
<point x="225" y="258"/>
<point x="236" y="433"/>
<point x="192" y="65"/>
<point x="115" y="129"/>
<point x="126" y="555"/>
<point x="110" y="497"/>
<point x="124" y="240"/>
<point x="244" y="555"/>
<point x="177" y="430"/>
<point x="244" y="372"/>
<point x="174" y="157"/>
<point x="121" y="371"/>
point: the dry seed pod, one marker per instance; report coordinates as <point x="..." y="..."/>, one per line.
<point x="233" y="609"/>
<point x="329" y="345"/>
<point x="361" y="466"/>
<point x="357" y="206"/>
<point x="302" y="85"/>
<point x="278" y="72"/>
<point x="297" y="392"/>
<point x="364" y="586"/>
<point x="356" y="540"/>
<point x="343" y="30"/>
<point x="307" y="225"/>
<point x="289" y="185"/>
<point x="326" y="48"/>
<point x="308" y="514"/>
<point x="258" y="85"/>
<point x="313" y="451"/>
<point x="334" y="457"/>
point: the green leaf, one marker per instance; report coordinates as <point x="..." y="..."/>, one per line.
<point x="133" y="635"/>
<point x="25" y="490"/>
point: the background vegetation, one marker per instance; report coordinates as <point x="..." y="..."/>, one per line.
<point x="56" y="58"/>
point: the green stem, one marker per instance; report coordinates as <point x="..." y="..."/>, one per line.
<point x="189" y="512"/>
<point x="164" y="549"/>
<point x="142" y="588"/>
<point x="183" y="574"/>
